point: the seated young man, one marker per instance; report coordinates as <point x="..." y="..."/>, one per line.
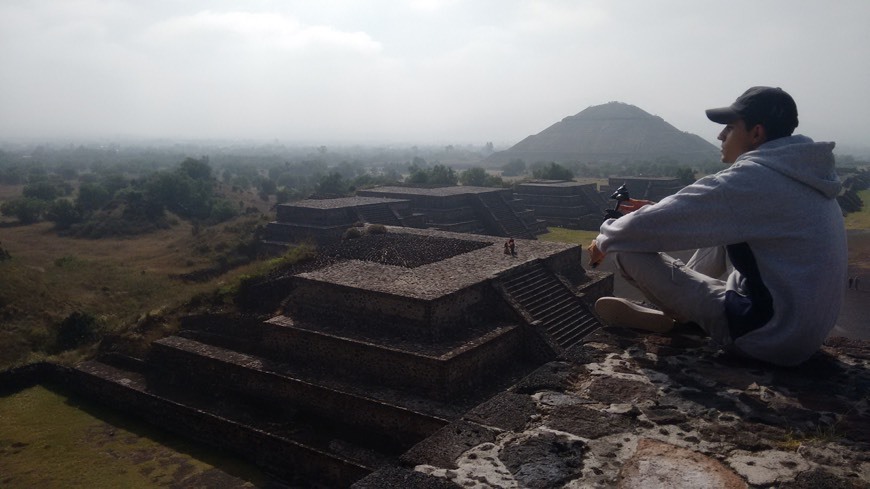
<point x="773" y="213"/>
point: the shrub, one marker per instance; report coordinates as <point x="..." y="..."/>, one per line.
<point x="65" y="261"/>
<point x="377" y="229"/>
<point x="27" y="210"/>
<point x="351" y="233"/>
<point x="76" y="330"/>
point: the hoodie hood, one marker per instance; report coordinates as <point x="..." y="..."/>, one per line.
<point x="801" y="159"/>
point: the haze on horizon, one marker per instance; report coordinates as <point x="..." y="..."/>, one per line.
<point x="418" y="71"/>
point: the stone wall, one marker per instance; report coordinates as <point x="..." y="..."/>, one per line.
<point x="282" y="457"/>
<point x="180" y="364"/>
<point x="429" y="319"/>
<point x="441" y="374"/>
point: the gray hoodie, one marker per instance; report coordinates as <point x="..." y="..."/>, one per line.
<point x="776" y="207"/>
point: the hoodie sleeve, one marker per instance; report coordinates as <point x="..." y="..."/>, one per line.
<point x="698" y="216"/>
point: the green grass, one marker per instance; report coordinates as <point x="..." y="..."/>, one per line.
<point x="860" y="220"/>
<point x="48" y="439"/>
<point x="124" y="283"/>
<point x="563" y="235"/>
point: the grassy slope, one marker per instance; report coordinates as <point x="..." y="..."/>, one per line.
<point x="860" y="220"/>
<point x="121" y="281"/>
<point x="51" y="440"/>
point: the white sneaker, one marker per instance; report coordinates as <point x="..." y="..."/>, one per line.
<point x="626" y="314"/>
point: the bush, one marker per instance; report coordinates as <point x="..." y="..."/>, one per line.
<point x="352" y="233"/>
<point x="63" y="214"/>
<point x="26" y="210"/>
<point x="76" y="330"/>
<point x="377" y="229"/>
<point x="4" y="255"/>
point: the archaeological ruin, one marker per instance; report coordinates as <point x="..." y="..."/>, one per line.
<point x="412" y="355"/>
<point x="397" y="335"/>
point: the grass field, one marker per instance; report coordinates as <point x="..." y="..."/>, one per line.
<point x="49" y="439"/>
<point x="860" y="220"/>
<point x="563" y="235"/>
<point x="123" y="282"/>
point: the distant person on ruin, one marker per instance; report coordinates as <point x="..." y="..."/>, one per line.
<point x="773" y="213"/>
<point x="512" y="246"/>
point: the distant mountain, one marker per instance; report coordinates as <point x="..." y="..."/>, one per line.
<point x="612" y="132"/>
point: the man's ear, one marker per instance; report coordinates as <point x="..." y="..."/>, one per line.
<point x="758" y="135"/>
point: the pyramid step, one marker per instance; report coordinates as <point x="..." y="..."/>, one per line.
<point x="575" y="336"/>
<point x="182" y="362"/>
<point x="561" y="311"/>
<point x="440" y="371"/>
<point x="577" y="320"/>
<point x="537" y="298"/>
<point x="126" y="391"/>
<point x="526" y="287"/>
<point x="554" y="301"/>
<point x="530" y="287"/>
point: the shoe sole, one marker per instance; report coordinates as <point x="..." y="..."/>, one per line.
<point x="625" y="314"/>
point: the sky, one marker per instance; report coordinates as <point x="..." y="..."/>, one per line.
<point x="418" y="71"/>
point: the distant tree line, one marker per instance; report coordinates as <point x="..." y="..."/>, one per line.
<point x="113" y="190"/>
<point x="111" y="203"/>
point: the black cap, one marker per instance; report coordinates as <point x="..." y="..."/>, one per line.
<point x="771" y="107"/>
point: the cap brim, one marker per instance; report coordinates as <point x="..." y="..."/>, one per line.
<point x="725" y="115"/>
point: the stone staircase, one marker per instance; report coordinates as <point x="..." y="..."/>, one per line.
<point x="594" y="201"/>
<point x="378" y="214"/>
<point x="336" y="406"/>
<point x="504" y="216"/>
<point x="543" y="299"/>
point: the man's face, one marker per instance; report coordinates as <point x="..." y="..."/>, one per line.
<point x="736" y="140"/>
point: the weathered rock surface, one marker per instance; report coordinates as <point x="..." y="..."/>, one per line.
<point x="642" y="410"/>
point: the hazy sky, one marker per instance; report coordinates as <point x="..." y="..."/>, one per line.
<point x="419" y="71"/>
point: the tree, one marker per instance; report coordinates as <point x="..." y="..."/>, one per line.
<point x="268" y="186"/>
<point x="493" y="181"/>
<point x="141" y="205"/>
<point x="63" y="214"/>
<point x="418" y="175"/>
<point x="443" y="175"/>
<point x="513" y="168"/>
<point x="26" y="210"/>
<point x="475" y="176"/>
<point x="685" y="175"/>
<point x="332" y="184"/>
<point x="196" y="169"/>
<point x="92" y="196"/>
<point x="553" y="171"/>
<point x="42" y="190"/>
<point x="182" y="194"/>
<point x="223" y="210"/>
<point x="77" y="329"/>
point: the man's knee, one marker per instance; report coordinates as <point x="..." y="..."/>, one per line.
<point x="632" y="265"/>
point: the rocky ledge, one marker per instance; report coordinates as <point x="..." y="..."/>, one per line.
<point x="637" y="410"/>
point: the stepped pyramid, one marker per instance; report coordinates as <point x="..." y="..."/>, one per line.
<point x="391" y="338"/>
<point x="612" y="132"/>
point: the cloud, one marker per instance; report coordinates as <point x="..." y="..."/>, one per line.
<point x="454" y="70"/>
<point x="258" y="30"/>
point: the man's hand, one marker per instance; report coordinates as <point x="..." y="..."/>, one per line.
<point x="632" y="205"/>
<point x="596" y="256"/>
